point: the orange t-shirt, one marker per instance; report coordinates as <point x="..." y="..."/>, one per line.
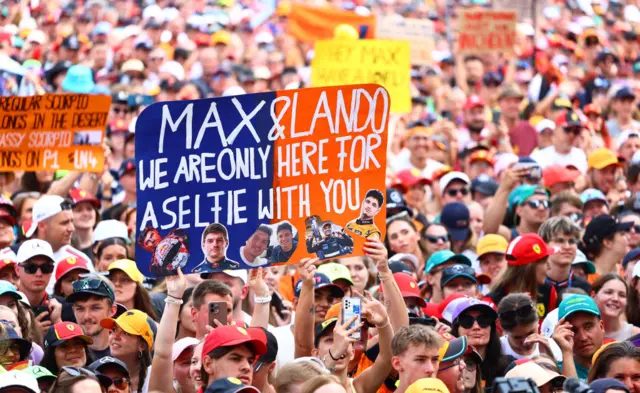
<point x="593" y="277"/>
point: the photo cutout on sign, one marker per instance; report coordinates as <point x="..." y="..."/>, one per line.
<point x="364" y="225"/>
<point x="87" y="138"/>
<point x="326" y="239"/>
<point x="284" y="240"/>
<point x="168" y="253"/>
<point x="214" y="243"/>
<point x="255" y="251"/>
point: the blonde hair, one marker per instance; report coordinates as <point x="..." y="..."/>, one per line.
<point x="295" y="373"/>
<point x="316" y="383"/>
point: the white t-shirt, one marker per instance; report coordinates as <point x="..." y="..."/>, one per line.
<point x="402" y="161"/>
<point x="62" y="253"/>
<point x="286" y="345"/>
<point x="549" y="156"/>
<point x="507" y="350"/>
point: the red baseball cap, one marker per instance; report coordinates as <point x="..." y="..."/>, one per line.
<point x="68" y="264"/>
<point x="482" y="155"/>
<point x="526" y="249"/>
<point x="77" y="196"/>
<point x="8" y="217"/>
<point x="555" y="174"/>
<point x="410" y="178"/>
<point x="474" y="101"/>
<point x="408" y="287"/>
<point x="231" y="335"/>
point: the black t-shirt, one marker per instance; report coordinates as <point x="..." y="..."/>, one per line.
<point x="102" y="353"/>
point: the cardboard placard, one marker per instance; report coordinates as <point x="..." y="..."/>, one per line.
<point x="309" y="23"/>
<point x="482" y="31"/>
<point x="345" y="62"/>
<point x="418" y="32"/>
<point x="53" y="131"/>
<point x="260" y="179"/>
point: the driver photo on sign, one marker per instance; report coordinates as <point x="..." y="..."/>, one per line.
<point x="331" y="243"/>
<point x="364" y="225"/>
<point x="253" y="253"/>
<point x="215" y="241"/>
<point x="168" y="254"/>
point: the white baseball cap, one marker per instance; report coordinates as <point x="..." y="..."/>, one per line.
<point x="33" y="248"/>
<point x="182" y="344"/>
<point x="241" y="274"/>
<point x="451" y="176"/>
<point x="545" y="124"/>
<point x="110" y="228"/>
<point x="45" y="207"/>
<point x="17" y="378"/>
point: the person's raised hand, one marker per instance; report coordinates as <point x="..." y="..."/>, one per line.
<point x="376" y="250"/>
<point x="563" y="335"/>
<point x="342" y="336"/>
<point x="176" y="285"/>
<point x="306" y="270"/>
<point x="257" y="283"/>
<point x="373" y="311"/>
<point x="55" y="311"/>
<point x="513" y="177"/>
<point x="44" y="325"/>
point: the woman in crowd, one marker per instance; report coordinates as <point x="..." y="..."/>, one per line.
<point x="362" y="272"/>
<point x="477" y="321"/>
<point x="37" y="181"/>
<point x="435" y="237"/>
<point x="67" y="271"/>
<point x="23" y="203"/>
<point x="119" y="378"/>
<point x="131" y="342"/>
<point x="618" y="360"/>
<point x="403" y="238"/>
<point x="109" y="251"/>
<point x="518" y="319"/>
<point x="127" y="280"/>
<point x="66" y="345"/>
<point x="610" y="293"/>
<point x="13" y="348"/>
<point x="472" y="374"/>
<point x="11" y="298"/>
<point x="195" y="371"/>
<point x="9" y="317"/>
<point x="186" y="328"/>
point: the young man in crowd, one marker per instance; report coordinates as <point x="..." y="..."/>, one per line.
<point x="416" y="354"/>
<point x="204" y="293"/>
<point x="35" y="267"/>
<point x="603" y="165"/>
<point x="236" y="280"/>
<point x="605" y="242"/>
<point x="452" y="363"/>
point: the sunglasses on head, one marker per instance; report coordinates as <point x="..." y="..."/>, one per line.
<point x="436" y="239"/>
<point x="573" y="130"/>
<point x="452" y="192"/>
<point x="520" y="312"/>
<point x="76" y="371"/>
<point x="32" y="268"/>
<point x="467" y="321"/>
<point x="91" y="284"/>
<point x="536" y="203"/>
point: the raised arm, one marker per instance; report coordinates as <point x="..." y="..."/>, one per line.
<point x="496" y="210"/>
<point x="304" y="322"/>
<point x="262" y="298"/>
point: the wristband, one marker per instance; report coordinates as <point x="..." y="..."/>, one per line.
<point x="171" y="300"/>
<point x="262" y="299"/>
<point x="173" y="297"/>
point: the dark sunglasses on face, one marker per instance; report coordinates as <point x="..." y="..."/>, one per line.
<point x="536" y="203"/>
<point x="119" y="383"/>
<point x="435" y="239"/>
<point x="32" y="268"/>
<point x="520" y="312"/>
<point x="591" y="41"/>
<point x="452" y="192"/>
<point x="636" y="228"/>
<point x="467" y="321"/>
<point x="124" y="111"/>
<point x="573" y="130"/>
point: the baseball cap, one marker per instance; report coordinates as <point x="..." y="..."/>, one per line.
<point x="602" y="385"/>
<point x="545" y="124"/>
<point x="441" y="257"/>
<point x="129" y="267"/>
<point x="484" y="184"/>
<point x="452" y="272"/>
<point x="526" y="249"/>
<point x="10" y="334"/>
<point x="631" y="256"/>
<point x="33" y="248"/>
<point x="402" y="258"/>
<point x="91" y="286"/>
<point x="555" y="174"/>
<point x="8" y="217"/>
<point x="133" y="322"/>
<point x="491" y="243"/>
<point x="473" y="101"/>
<point x="601" y="227"/>
<point x="602" y="158"/>
<point x="568" y="119"/>
<point x="581" y="259"/>
<point x="108" y="361"/>
<point x="182" y="344"/>
<point x="329" y="322"/>
<point x="78" y="196"/>
<point x="408" y="287"/>
<point x="636" y="270"/>
<point x="40" y="373"/>
<point x="127" y="166"/>
<point x="432" y="385"/>
<point x="335" y="271"/>
<point x="45" y="207"/>
<point x="540" y="375"/>
<point x="468" y="303"/>
<point x="272" y="351"/>
<point x="238" y="273"/>
<point x="577" y="303"/>
<point x="449" y="304"/>
<point x="108" y="229"/>
<point x="456" y="348"/>
<point x="520" y="194"/>
<point x="321" y="281"/>
<point x="19" y="379"/>
<point x="230" y="335"/>
<point x="410" y="177"/>
<point x="592" y="194"/>
<point x="451" y="176"/>
<point x="229" y="385"/>
<point x="510" y="90"/>
<point x="62" y="332"/>
<point x="68" y="264"/>
<point x="455" y="217"/>
<point x="399" y="267"/>
<point x="624" y="93"/>
<point x="481" y="155"/>
<point x="6" y="288"/>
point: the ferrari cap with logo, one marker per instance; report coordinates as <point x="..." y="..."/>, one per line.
<point x="62" y="332"/>
<point x="230" y="335"/>
<point x="526" y="249"/>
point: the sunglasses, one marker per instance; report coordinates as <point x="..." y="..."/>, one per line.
<point x="573" y="130"/>
<point x="452" y="192"/>
<point x="119" y="383"/>
<point x="467" y="321"/>
<point x="124" y="111"/>
<point x="576" y="217"/>
<point x="591" y="41"/>
<point x="92" y="285"/>
<point x="436" y="239"/>
<point x="32" y="268"/>
<point x="520" y="312"/>
<point x="536" y="203"/>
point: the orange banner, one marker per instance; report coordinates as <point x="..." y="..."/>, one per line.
<point x="308" y="23"/>
<point x="486" y="31"/>
<point x="52" y="132"/>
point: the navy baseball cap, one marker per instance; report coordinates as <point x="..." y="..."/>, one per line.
<point x="484" y="184"/>
<point x="452" y="272"/>
<point x="631" y="256"/>
<point x="128" y="165"/>
<point x="108" y="361"/>
<point x="624" y="93"/>
<point x="321" y="281"/>
<point x="455" y="217"/>
<point x="229" y="385"/>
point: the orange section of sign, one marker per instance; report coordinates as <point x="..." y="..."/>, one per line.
<point x="53" y="132"/>
<point x="482" y="31"/>
<point x="309" y="23"/>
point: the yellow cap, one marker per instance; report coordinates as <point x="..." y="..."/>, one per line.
<point x="427" y="385"/>
<point x="491" y="243"/>
<point x="133" y="322"/>
<point x="345" y="32"/>
<point x="600" y="350"/>
<point x="602" y="158"/>
<point x="129" y="267"/>
<point x="283" y="8"/>
<point x="221" y="37"/>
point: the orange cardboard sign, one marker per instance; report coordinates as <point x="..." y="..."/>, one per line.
<point x="309" y="23"/>
<point x="482" y="31"/>
<point x="53" y="132"/>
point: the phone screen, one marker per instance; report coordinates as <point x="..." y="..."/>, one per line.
<point x="352" y="306"/>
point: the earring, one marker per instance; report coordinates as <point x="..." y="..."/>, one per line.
<point x="140" y="355"/>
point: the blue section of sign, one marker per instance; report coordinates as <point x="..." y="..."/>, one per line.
<point x="215" y="173"/>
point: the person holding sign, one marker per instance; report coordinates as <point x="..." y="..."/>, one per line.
<point x="257" y="244"/>
<point x="364" y="225"/>
<point x="215" y="241"/>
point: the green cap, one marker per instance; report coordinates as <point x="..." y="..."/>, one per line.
<point x="523" y="192"/>
<point x="335" y="271"/>
<point x="577" y="303"/>
<point x="39" y="372"/>
<point x="444" y="256"/>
